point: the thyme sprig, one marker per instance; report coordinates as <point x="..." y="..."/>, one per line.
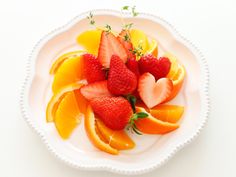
<point x="91" y="19"/>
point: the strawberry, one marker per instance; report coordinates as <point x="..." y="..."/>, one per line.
<point x="110" y="45"/>
<point x="121" y="81"/>
<point x="153" y="93"/>
<point x="159" y="68"/>
<point x="95" y="90"/>
<point x="132" y="64"/>
<point x="124" y="38"/>
<point x="93" y="69"/>
<point x="115" y="112"/>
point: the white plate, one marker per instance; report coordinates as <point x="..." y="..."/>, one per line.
<point x="151" y="151"/>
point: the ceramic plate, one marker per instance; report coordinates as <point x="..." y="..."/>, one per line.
<point x="151" y="151"/>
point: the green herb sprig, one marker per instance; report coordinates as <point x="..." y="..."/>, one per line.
<point x="132" y="10"/>
<point x="90" y="18"/>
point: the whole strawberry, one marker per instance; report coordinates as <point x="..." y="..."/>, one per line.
<point x="93" y="69"/>
<point x="115" y="112"/>
<point x="132" y="65"/>
<point x="159" y="68"/>
<point x="121" y="81"/>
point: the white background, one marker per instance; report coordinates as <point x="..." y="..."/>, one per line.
<point x="211" y="25"/>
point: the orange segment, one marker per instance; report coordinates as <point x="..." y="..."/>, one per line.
<point x="67" y="116"/>
<point x="70" y="71"/>
<point x="139" y="40"/>
<point x="167" y="113"/>
<point x="151" y="125"/>
<point x="153" y="48"/>
<point x="64" y="57"/>
<point x="56" y="99"/>
<point x="82" y="102"/>
<point x="176" y="74"/>
<point x="90" y="127"/>
<point x="90" y="40"/>
<point x="116" y="139"/>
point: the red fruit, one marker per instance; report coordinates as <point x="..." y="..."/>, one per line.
<point x="157" y="67"/>
<point x="115" y="112"/>
<point x="121" y="81"/>
<point x="95" y="90"/>
<point x="110" y="45"/>
<point x="153" y="93"/>
<point x="124" y="38"/>
<point x="132" y="64"/>
<point x="93" y="69"/>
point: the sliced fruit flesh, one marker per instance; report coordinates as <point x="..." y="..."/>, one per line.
<point x="67" y="116"/>
<point x="56" y="99"/>
<point x="70" y="71"/>
<point x="177" y="74"/>
<point x="167" y="113"/>
<point x="82" y="102"/>
<point x="139" y="39"/>
<point x="94" y="90"/>
<point x="116" y="139"/>
<point x="153" y="48"/>
<point x="64" y="57"/>
<point x="90" y="127"/>
<point x="153" y="93"/>
<point x="151" y="125"/>
<point x="90" y="40"/>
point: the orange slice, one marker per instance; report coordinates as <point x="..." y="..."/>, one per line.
<point x="64" y="57"/>
<point x="90" y="127"/>
<point x="81" y="100"/>
<point x="167" y="113"/>
<point x="176" y="74"/>
<point x="90" y="40"/>
<point x="139" y="40"/>
<point x="56" y="99"/>
<point x="151" y="125"/>
<point x="67" y="116"/>
<point x="70" y="71"/>
<point x="116" y="139"/>
<point x="153" y="48"/>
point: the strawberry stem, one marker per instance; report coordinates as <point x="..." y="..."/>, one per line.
<point x="135" y="117"/>
<point x="132" y="99"/>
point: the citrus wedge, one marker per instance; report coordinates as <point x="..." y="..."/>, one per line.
<point x="70" y="71"/>
<point x="151" y="125"/>
<point x="116" y="139"/>
<point x="139" y="40"/>
<point x="167" y="113"/>
<point x="64" y="57"/>
<point x="177" y="74"/>
<point x="90" y="40"/>
<point x="67" y="115"/>
<point x="90" y="127"/>
<point x="56" y="99"/>
<point x="81" y="100"/>
<point x="153" y="48"/>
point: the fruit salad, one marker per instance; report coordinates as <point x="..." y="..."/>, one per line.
<point x="119" y="84"/>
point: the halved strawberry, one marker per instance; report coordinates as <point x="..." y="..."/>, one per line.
<point x="95" y="90"/>
<point x="153" y="93"/>
<point x="93" y="69"/>
<point x="124" y="38"/>
<point x="110" y="45"/>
